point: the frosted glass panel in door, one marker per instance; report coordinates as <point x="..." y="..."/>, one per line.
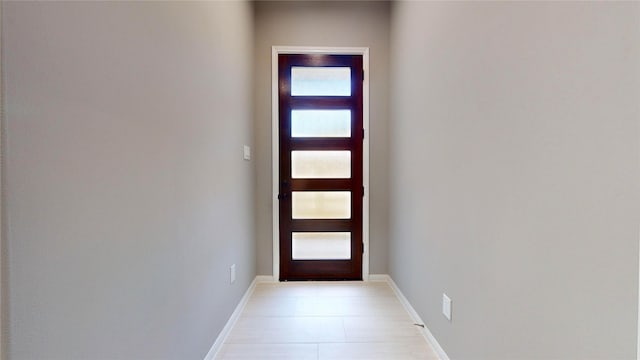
<point x="321" y="164"/>
<point x="321" y="245"/>
<point x="321" y="204"/>
<point x="321" y="123"/>
<point x="320" y="81"/>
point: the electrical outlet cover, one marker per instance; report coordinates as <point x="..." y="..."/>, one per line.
<point x="446" y="306"/>
<point x="232" y="274"/>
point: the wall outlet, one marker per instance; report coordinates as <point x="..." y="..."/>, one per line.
<point x="446" y="306"/>
<point x="232" y="274"/>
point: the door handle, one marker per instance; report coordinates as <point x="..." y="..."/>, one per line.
<point x="284" y="186"/>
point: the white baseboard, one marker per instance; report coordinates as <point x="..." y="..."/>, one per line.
<point x="379" y="277"/>
<point x="217" y="346"/>
<point x="414" y="315"/>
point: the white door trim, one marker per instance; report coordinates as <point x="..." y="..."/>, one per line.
<point x="275" y="51"/>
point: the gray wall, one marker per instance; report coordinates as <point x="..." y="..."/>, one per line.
<point x="328" y="23"/>
<point x="515" y="175"/>
<point x="127" y="195"/>
<point x="3" y="262"/>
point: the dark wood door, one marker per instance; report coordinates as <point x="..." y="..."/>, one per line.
<point x="321" y="134"/>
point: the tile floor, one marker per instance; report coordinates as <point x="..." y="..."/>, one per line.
<point x="325" y="320"/>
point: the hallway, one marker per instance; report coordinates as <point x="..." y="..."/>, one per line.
<point x="325" y="320"/>
<point x="141" y="180"/>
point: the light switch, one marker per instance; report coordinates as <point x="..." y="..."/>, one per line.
<point x="247" y="152"/>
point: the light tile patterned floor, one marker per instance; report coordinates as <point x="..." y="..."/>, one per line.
<point x="325" y="320"/>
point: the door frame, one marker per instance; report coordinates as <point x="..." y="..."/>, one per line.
<point x="275" y="138"/>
